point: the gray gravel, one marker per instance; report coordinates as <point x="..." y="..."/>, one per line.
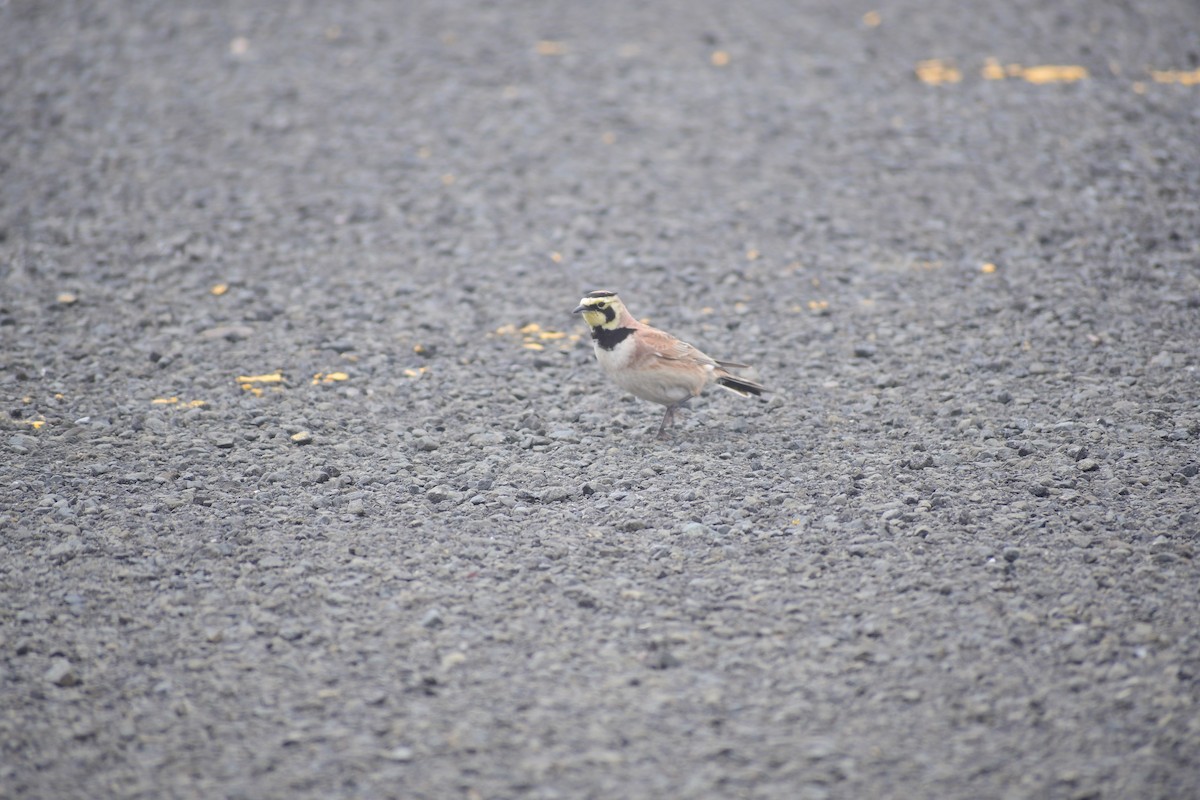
<point x="310" y="486"/>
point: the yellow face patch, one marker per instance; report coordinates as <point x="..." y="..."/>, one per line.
<point x="593" y="317"/>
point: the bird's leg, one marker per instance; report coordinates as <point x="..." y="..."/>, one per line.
<point x="668" y="419"/>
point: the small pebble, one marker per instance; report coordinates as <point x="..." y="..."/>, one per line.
<point x="62" y="673"/>
<point x="554" y="494"/>
<point x="485" y="439"/>
<point x="697" y="529"/>
<point x="440" y="494"/>
<point x="22" y="444"/>
<point x="400" y="754"/>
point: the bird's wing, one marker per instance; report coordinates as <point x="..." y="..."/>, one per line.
<point x="664" y="345"/>
<point x="731" y="364"/>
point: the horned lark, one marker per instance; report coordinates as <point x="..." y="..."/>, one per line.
<point x="653" y="364"/>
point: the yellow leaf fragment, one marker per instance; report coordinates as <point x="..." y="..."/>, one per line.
<point x="67" y="298"/>
<point x="556" y="257"/>
<point x="533" y="334"/>
<point x="273" y="377"/>
<point x="247" y="382"/>
<point x="219" y="289"/>
<point x="549" y="47"/>
<point x="987" y="268"/>
<point x="935" y="72"/>
<point x="416" y="373"/>
<point x="992" y="71"/>
<point x="1054" y="73"/>
<point x="175" y="401"/>
<point x="719" y="58"/>
<point x="818" y="306"/>
<point x="1190" y="78"/>
<point x="872" y="19"/>
<point x="1043" y="73"/>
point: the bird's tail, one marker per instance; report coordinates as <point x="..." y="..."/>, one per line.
<point x="743" y="386"/>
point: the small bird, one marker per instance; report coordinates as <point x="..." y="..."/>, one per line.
<point x="653" y="364"/>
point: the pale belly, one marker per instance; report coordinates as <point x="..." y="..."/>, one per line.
<point x="656" y="385"/>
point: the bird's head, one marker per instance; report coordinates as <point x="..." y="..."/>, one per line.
<point x="601" y="309"/>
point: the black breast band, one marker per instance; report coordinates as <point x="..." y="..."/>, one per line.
<point x="610" y="338"/>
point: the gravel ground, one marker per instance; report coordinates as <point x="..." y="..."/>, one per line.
<point x="311" y="485"/>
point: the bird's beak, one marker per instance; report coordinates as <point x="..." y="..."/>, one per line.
<point x="579" y="309"/>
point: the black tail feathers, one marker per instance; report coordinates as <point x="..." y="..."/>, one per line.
<point x="741" y="386"/>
